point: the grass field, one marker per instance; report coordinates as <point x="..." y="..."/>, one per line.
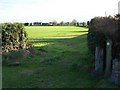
<point x="60" y="60"/>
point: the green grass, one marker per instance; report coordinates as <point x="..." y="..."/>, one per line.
<point x="60" y="60"/>
<point x="54" y="32"/>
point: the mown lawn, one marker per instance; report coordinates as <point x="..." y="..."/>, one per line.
<point x="60" y="60"/>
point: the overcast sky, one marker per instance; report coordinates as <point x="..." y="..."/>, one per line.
<point x="59" y="10"/>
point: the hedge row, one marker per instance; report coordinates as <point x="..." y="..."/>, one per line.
<point x="101" y="29"/>
<point x="14" y="36"/>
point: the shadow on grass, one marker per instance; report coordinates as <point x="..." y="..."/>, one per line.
<point x="62" y="63"/>
<point x="65" y="52"/>
<point x="79" y="31"/>
<point x="53" y="40"/>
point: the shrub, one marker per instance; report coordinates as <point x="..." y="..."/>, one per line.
<point x="14" y="36"/>
<point x="101" y="29"/>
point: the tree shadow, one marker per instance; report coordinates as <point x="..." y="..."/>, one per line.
<point x="53" y="40"/>
<point x="79" y="31"/>
<point x="63" y="60"/>
<point x="67" y="51"/>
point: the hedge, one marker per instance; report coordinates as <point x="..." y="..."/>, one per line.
<point x="101" y="29"/>
<point x="14" y="36"/>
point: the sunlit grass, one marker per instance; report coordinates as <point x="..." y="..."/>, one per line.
<point x="41" y="44"/>
<point x="53" y="32"/>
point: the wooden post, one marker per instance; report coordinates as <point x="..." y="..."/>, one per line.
<point x="108" y="57"/>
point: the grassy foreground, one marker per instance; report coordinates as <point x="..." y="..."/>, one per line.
<point x="60" y="60"/>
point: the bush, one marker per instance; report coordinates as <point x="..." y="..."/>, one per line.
<point x="101" y="29"/>
<point x="14" y="36"/>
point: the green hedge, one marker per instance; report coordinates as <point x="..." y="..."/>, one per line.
<point x="101" y="29"/>
<point x="14" y="36"/>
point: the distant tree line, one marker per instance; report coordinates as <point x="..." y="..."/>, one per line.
<point x="55" y="23"/>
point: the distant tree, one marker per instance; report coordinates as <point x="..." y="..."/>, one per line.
<point x="30" y="24"/>
<point x="54" y="23"/>
<point x="50" y="23"/>
<point x="26" y="24"/>
<point x="67" y="23"/>
<point x="78" y="24"/>
<point x="84" y="24"/>
<point x="88" y="23"/>
<point x="74" y="22"/>
<point x="62" y="23"/>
